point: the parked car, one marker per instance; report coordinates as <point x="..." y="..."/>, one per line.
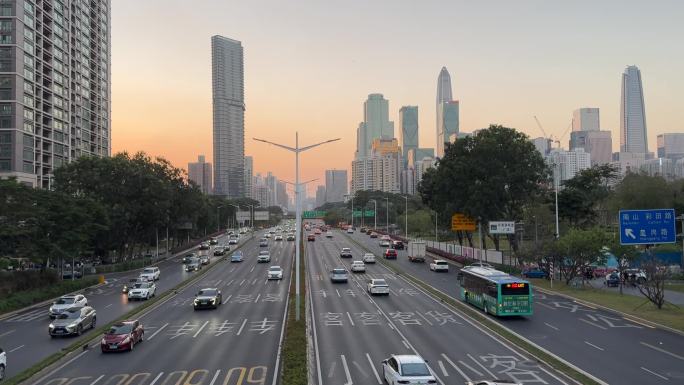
<point x="73" y="322"/>
<point x="407" y="369"/>
<point x="208" y="298"/>
<point x="66" y="302"/>
<point x="439" y="265"/>
<point x="358" y="267"/>
<point x="377" y="286"/>
<point x="398" y="245"/>
<point x="122" y="336"/>
<point x="390" y="254"/>
<point x="534" y="273"/>
<point x="339" y="275"/>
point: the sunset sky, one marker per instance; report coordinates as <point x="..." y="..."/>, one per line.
<point x="309" y="66"/>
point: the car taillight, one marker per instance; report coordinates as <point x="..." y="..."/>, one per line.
<point x="403" y="382"/>
<point x="432" y="381"/>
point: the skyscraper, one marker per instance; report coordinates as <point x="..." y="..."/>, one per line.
<point x="320" y="196"/>
<point x="228" y="98"/>
<point x="447" y="124"/>
<point x="444" y="87"/>
<point x="200" y="173"/>
<point x="586" y="119"/>
<point x="632" y="113"/>
<point x="671" y="146"/>
<point x="598" y="144"/>
<point x="335" y="185"/>
<point x="376" y="124"/>
<point x="408" y="129"/>
<point x="55" y="86"/>
<point x="249" y="177"/>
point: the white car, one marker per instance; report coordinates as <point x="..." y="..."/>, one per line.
<point x="275" y="272"/>
<point x="407" y="369"/>
<point x="358" y="267"/>
<point x="384" y="243"/>
<point x="205" y="260"/>
<point x="150" y="273"/>
<point x="3" y="364"/>
<point x="233" y="240"/>
<point x="439" y="265"/>
<point x="350" y="231"/>
<point x="144" y="290"/>
<point x="369" y="258"/>
<point x="67" y="302"/>
<point x="278" y="238"/>
<point x="264" y="256"/>
<point x="329" y="234"/>
<point x="378" y="286"/>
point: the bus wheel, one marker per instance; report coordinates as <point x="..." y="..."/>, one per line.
<point x="485" y="308"/>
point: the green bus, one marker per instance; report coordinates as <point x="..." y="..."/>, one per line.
<point x="495" y="292"/>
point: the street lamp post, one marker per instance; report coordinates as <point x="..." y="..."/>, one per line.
<point x="375" y="214"/>
<point x="555" y="184"/>
<point x="238" y="209"/>
<point x="218" y="221"/>
<point x="387" y="215"/>
<point x="406" y="217"/>
<point x="352" y="213"/>
<point x="251" y="216"/>
<point x="296" y="149"/>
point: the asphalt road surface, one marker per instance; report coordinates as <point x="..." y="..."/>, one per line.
<point x="234" y="344"/>
<point x="354" y="332"/>
<point x="603" y="343"/>
<point x="24" y="336"/>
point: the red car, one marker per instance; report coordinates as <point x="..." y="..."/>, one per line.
<point x="390" y="254"/>
<point x="122" y="336"/>
<point x="311" y="238"/>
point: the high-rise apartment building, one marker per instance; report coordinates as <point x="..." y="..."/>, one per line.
<point x="335" y="185"/>
<point x="249" y="177"/>
<point x="379" y="172"/>
<point x="586" y="119"/>
<point x="566" y="164"/>
<point x="408" y="129"/>
<point x="281" y="194"/>
<point x="375" y="125"/>
<point x="200" y="173"/>
<point x="228" y="98"/>
<point x="632" y="113"/>
<point x="320" y="196"/>
<point x="447" y="124"/>
<point x="599" y="144"/>
<point x="661" y="167"/>
<point x="55" y="86"/>
<point x="671" y="146"/>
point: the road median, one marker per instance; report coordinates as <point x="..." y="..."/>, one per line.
<point x="47" y="366"/>
<point x="514" y="339"/>
<point x="295" y="354"/>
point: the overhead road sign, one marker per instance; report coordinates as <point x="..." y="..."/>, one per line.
<point x="261" y="215"/>
<point x="313" y="214"/>
<point x="243" y="216"/>
<point x="462" y="222"/>
<point x="647" y="227"/>
<point x="501" y="227"/>
<point x="367" y="213"/>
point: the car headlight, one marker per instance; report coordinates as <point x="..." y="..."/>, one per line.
<point x="51" y="326"/>
<point x="213" y="301"/>
<point x="126" y="340"/>
<point x="72" y="326"/>
<point x="196" y="301"/>
<point x="52" y="309"/>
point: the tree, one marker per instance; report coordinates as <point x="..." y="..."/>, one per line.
<point x="491" y="176"/>
<point x="640" y="191"/>
<point x="582" y="197"/>
<point x="625" y="256"/>
<point x="654" y="286"/>
<point x="580" y="248"/>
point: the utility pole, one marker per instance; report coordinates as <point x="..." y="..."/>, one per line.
<point x="218" y="221"/>
<point x="387" y="215"/>
<point x="681" y="218"/>
<point x="406" y="217"/>
<point x="375" y="214"/>
<point x="479" y="235"/>
<point x="555" y="182"/>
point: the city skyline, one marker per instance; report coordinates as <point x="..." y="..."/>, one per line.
<point x="491" y="90"/>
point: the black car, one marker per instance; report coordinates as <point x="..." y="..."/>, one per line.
<point x="398" y="245"/>
<point x="209" y="298"/>
<point x="219" y="251"/>
<point x="188" y="258"/>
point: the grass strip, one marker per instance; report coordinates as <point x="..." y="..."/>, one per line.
<point x="21" y="299"/>
<point x="638" y="306"/>
<point x="491" y="326"/>
<point x="295" y="368"/>
<point x="27" y="373"/>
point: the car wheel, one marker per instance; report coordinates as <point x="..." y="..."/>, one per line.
<point x="485" y="308"/>
<point x="2" y="372"/>
<point x="132" y="345"/>
<point x="79" y="330"/>
<point x="92" y="324"/>
<point x="142" y="336"/>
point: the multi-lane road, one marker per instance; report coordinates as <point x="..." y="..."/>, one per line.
<point x="613" y="348"/>
<point x="354" y="332"/>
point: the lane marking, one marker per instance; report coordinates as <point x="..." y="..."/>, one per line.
<point x="656" y="374"/>
<point x="157" y="378"/>
<point x="61" y="367"/>
<point x="229" y="283"/>
<point x="215" y="377"/>
<point x="406" y="344"/>
<point x="441" y="366"/>
<point x="200" y="329"/>
<point x="480" y="365"/>
<point x="7" y="333"/>
<point x="253" y="267"/>
<point x="338" y="293"/>
<point x="157" y="332"/>
<point x="592" y="324"/>
<point x="375" y="371"/>
<point x="332" y="369"/>
<point x="243" y="281"/>
<point x="592" y="345"/>
<point x="360" y="369"/>
<point x="551" y="326"/>
<point x="640" y="323"/>
<point x="456" y="367"/>
<point x="254" y="282"/>
<point x="662" y="351"/>
<point x="219" y="282"/>
<point x="108" y="305"/>
<point x="242" y="327"/>
<point x="584" y="304"/>
<point x="546" y="306"/>
<point x="346" y="371"/>
<point x="225" y="301"/>
<point x="350" y="318"/>
<point x="98" y="379"/>
<point x="423" y="317"/>
<point x="257" y="298"/>
<point x="471" y="368"/>
<point x="17" y="348"/>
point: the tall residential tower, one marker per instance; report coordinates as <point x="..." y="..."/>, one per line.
<point x="632" y="113"/>
<point x="228" y="98"/>
<point x="55" y="86"/>
<point x="408" y="130"/>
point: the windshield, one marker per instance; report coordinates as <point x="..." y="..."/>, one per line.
<point x="120" y="329"/>
<point x="417" y="369"/>
<point x="142" y="285"/>
<point x="274" y="268"/>
<point x="148" y="271"/>
<point x="70" y="315"/>
<point x="339" y="271"/>
<point x="65" y="301"/>
<point x="440" y="263"/>
<point x="207" y="292"/>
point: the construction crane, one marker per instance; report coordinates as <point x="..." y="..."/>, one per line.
<point x="551" y="138"/>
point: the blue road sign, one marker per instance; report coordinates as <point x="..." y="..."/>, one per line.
<point x="647" y="227"/>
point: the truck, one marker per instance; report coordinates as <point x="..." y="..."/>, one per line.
<point x="416" y="251"/>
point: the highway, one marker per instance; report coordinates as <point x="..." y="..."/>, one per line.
<point x="234" y="344"/>
<point x="24" y="335"/>
<point x="354" y="332"/>
<point x="602" y="343"/>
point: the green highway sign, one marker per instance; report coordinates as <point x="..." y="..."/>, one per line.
<point x="313" y="214"/>
<point x="367" y="213"/>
